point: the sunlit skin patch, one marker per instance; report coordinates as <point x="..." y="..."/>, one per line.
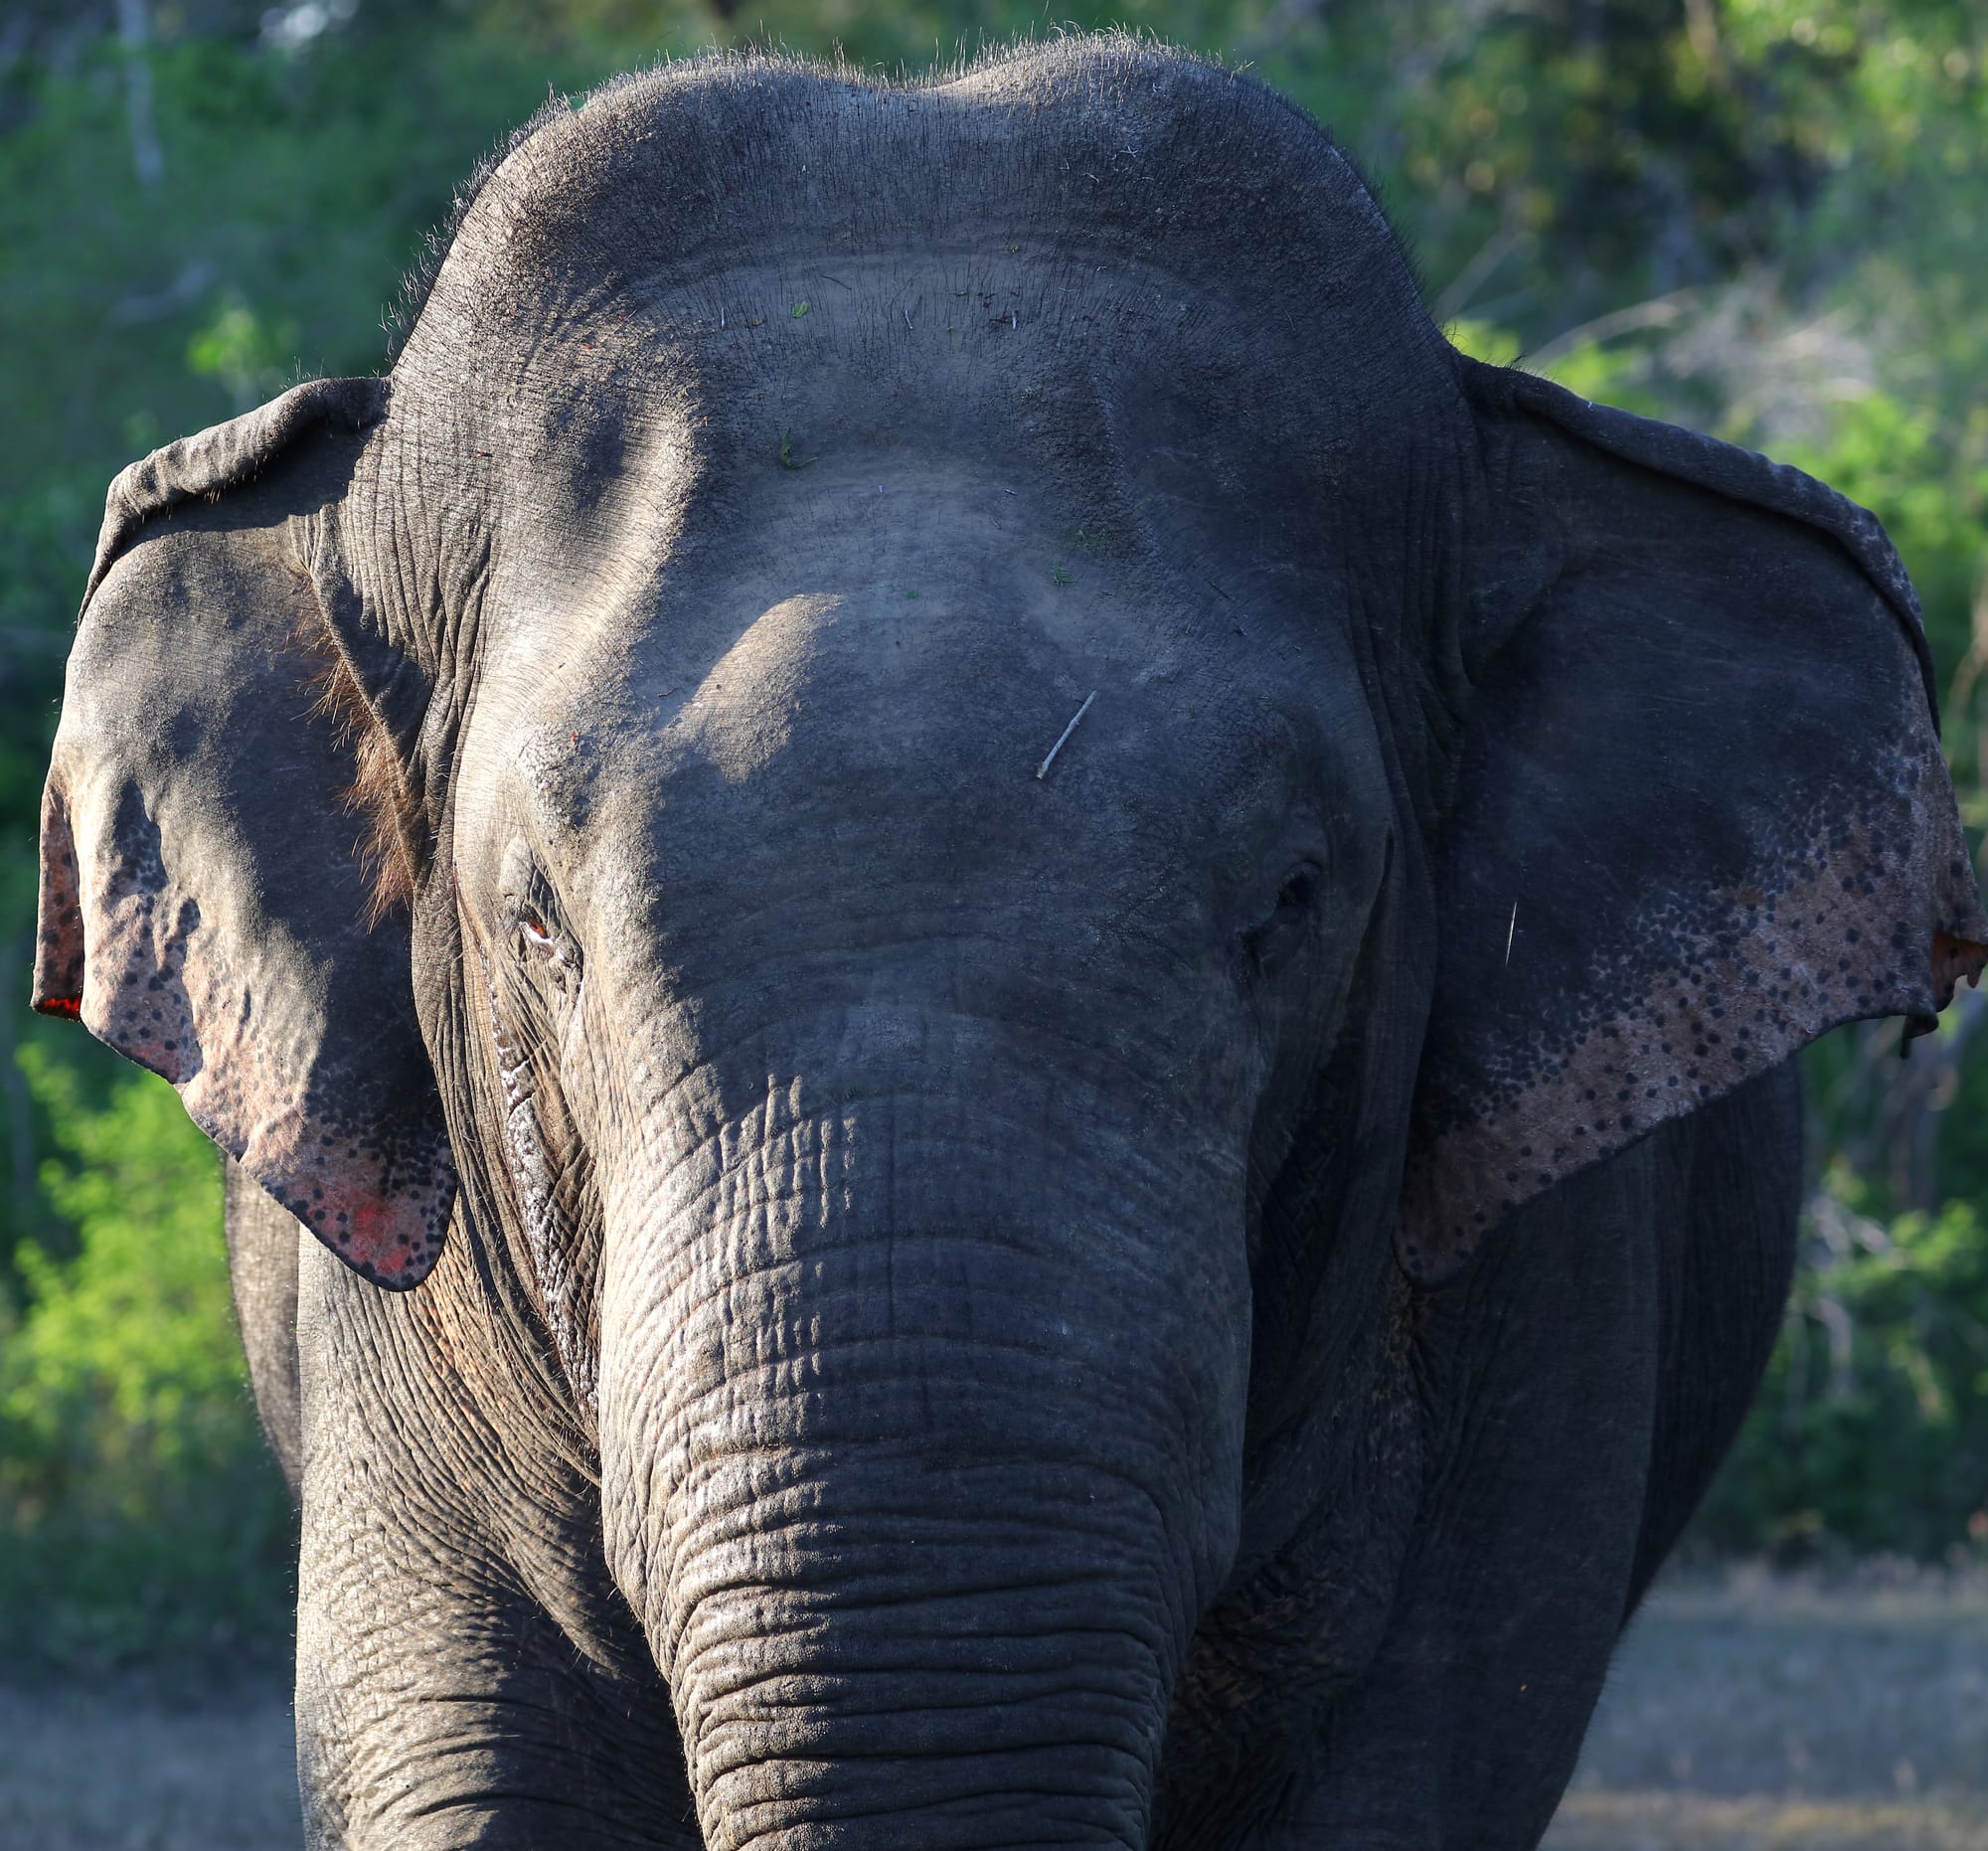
<point x="725" y="671"/>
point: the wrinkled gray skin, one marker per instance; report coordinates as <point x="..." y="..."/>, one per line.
<point x="1172" y="1299"/>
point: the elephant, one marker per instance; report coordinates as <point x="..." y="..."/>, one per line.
<point x="1003" y="1000"/>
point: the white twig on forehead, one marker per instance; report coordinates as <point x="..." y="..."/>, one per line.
<point x="1043" y="769"/>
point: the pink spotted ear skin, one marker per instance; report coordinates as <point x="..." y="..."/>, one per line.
<point x="1699" y="812"/>
<point x="159" y="987"/>
<point x="202" y="908"/>
<point x="1748" y="979"/>
<point x="384" y="1217"/>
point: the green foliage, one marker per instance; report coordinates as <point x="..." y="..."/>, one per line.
<point x="138" y="1506"/>
<point x="242" y="351"/>
<point x="1872" y="1430"/>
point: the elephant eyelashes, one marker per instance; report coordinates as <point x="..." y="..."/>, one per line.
<point x="548" y="946"/>
<point x="1278" y="938"/>
<point x="537" y="934"/>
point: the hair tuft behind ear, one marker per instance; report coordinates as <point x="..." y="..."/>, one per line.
<point x="377" y="796"/>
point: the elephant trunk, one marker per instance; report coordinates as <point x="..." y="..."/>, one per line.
<point x="909" y="1480"/>
<point x="956" y="1674"/>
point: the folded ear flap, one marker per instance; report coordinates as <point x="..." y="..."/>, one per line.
<point x="1700" y="816"/>
<point x="204" y="909"/>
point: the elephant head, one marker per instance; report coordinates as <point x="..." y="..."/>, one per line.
<point x="593" y="791"/>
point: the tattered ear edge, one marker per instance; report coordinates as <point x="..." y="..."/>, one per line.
<point x="224" y="456"/>
<point x="59" y="952"/>
<point x="1447" y="1171"/>
<point x="1724" y="470"/>
<point x="203" y="468"/>
<point x="1747" y="476"/>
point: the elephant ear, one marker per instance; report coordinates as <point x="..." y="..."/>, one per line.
<point x="1699" y="814"/>
<point x="204" y="908"/>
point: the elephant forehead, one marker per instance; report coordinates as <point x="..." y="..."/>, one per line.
<point x="832" y="712"/>
<point x="1114" y="147"/>
<point x="900" y="712"/>
<point x="893" y="632"/>
<point x="864" y="663"/>
<point x="1135" y="273"/>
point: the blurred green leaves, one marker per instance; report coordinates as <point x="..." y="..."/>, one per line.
<point x="239" y="349"/>
<point x="1872" y="1430"/>
<point x="137" y="1509"/>
<point x="127" y="1347"/>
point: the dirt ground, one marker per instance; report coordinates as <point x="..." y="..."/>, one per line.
<point x="1745" y="1714"/>
<point x="1749" y="1713"/>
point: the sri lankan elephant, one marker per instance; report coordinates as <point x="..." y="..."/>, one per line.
<point x="1031" y="981"/>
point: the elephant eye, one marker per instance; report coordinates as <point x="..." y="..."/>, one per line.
<point x="537" y="934"/>
<point x="1298" y="893"/>
<point x="547" y="944"/>
<point x="1274" y="941"/>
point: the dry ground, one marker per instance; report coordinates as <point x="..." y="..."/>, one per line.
<point x="1754" y="1714"/>
<point x="117" y="1768"/>
<point x="1745" y="1713"/>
